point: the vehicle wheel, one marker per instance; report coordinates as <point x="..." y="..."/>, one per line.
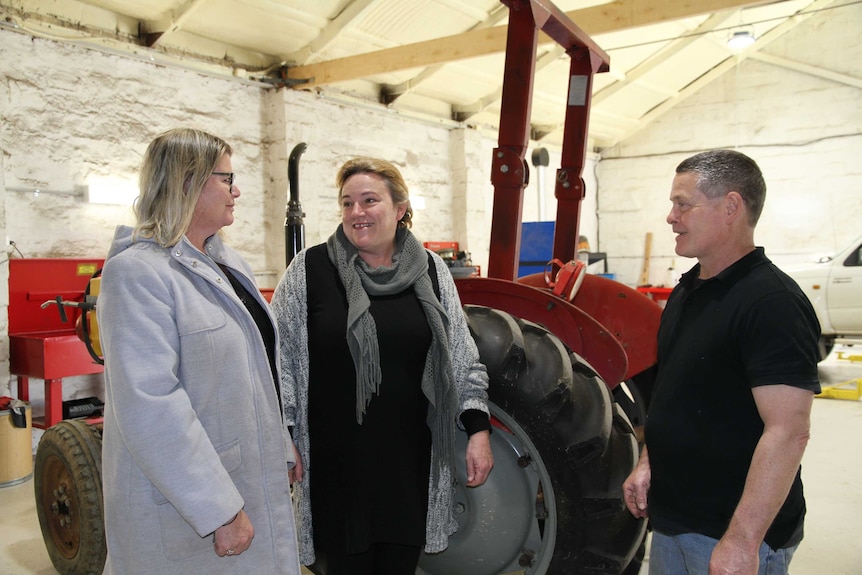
<point x="68" y="486"/>
<point x="629" y="399"/>
<point x="553" y="503"/>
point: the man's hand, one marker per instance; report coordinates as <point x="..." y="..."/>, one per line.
<point x="786" y="415"/>
<point x="636" y="487"/>
<point x="729" y="558"/>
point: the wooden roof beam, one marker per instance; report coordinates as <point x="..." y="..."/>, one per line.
<point x="155" y="31"/>
<point x="345" y="19"/>
<point x="617" y="15"/>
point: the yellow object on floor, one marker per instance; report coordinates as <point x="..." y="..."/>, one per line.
<point x="848" y="390"/>
<point x="848" y="356"/>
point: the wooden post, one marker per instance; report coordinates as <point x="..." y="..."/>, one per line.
<point x="644" y="277"/>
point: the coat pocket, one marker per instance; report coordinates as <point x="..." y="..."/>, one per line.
<point x="179" y="539"/>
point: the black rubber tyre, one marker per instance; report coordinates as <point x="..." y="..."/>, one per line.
<point x="633" y="396"/>
<point x="584" y="441"/>
<point x="68" y="488"/>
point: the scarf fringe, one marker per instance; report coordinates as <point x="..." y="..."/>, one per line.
<point x="410" y="268"/>
<point x="368" y="372"/>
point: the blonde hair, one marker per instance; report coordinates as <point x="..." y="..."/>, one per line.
<point x="176" y="166"/>
<point x="398" y="191"/>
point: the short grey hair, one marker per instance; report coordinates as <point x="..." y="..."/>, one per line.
<point x="722" y="171"/>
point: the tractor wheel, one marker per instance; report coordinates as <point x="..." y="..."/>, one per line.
<point x="562" y="448"/>
<point x="68" y="485"/>
<point x="630" y="399"/>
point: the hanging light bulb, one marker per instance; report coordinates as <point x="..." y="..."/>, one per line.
<point x="740" y="39"/>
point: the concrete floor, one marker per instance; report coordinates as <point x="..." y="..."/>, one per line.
<point x="831" y="471"/>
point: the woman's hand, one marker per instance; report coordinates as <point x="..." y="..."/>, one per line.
<point x="480" y="460"/>
<point x="234" y="537"/>
<point x="294" y="474"/>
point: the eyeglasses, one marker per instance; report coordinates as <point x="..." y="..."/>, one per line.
<point x="231" y="177"/>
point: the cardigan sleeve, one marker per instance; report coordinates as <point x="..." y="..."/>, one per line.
<point x="471" y="377"/>
<point x="289" y="307"/>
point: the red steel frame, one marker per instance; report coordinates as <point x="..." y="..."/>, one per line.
<point x="509" y="168"/>
<point x="608" y="323"/>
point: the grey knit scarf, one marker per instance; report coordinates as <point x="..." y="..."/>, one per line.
<point x="409" y="267"/>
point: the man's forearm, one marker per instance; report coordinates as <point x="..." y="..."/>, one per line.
<point x="770" y="476"/>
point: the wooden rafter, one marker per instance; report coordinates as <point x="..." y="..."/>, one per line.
<point x="617" y="15"/>
<point x="392" y="93"/>
<point x="725" y="66"/>
<point x="155" y="31"/>
<point x="816" y="71"/>
<point x="349" y="16"/>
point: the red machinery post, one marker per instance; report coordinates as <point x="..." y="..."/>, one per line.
<point x="570" y="189"/>
<point x="620" y="313"/>
<point x="509" y="170"/>
<point x="533" y="342"/>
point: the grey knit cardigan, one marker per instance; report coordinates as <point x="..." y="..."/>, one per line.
<point x="289" y="304"/>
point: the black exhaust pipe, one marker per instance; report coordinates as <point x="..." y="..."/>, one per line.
<point x="294" y="228"/>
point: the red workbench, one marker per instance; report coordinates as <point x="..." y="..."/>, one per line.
<point x="41" y="345"/>
<point x="657" y="294"/>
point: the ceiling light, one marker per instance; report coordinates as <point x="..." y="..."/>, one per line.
<point x="740" y="40"/>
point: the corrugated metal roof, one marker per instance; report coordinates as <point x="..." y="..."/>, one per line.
<point x="437" y="58"/>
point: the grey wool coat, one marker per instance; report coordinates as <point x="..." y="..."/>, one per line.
<point x="193" y="430"/>
<point x="290" y="305"/>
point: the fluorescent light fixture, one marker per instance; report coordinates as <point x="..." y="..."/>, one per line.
<point x="111" y="190"/>
<point x="740" y="40"/>
<point x="78" y="191"/>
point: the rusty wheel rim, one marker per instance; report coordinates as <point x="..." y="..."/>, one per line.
<point x="60" y="500"/>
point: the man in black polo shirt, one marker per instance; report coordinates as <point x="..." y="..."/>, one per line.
<point x="729" y="420"/>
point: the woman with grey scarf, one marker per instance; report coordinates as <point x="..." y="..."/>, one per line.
<point x="378" y="372"/>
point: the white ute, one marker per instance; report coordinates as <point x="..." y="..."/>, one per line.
<point x="834" y="286"/>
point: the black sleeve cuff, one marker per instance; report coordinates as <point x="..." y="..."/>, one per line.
<point x="475" y="420"/>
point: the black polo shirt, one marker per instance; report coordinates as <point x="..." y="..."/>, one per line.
<point x="751" y="325"/>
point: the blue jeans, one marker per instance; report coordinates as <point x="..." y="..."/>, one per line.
<point x="689" y="553"/>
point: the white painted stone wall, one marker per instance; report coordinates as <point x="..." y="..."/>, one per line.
<point x="335" y="132"/>
<point x="544" y="208"/>
<point x="68" y="113"/>
<point x="804" y="131"/>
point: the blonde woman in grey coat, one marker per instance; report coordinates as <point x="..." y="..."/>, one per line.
<point x="195" y="457"/>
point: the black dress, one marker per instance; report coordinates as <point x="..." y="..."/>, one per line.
<point x="369" y="481"/>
